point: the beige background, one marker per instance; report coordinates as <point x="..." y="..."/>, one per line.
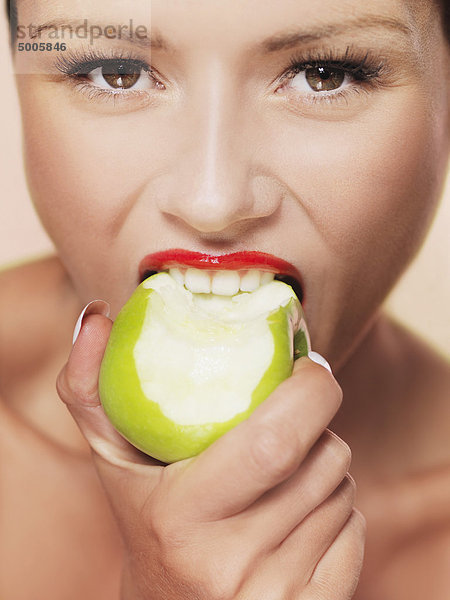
<point x="421" y="299"/>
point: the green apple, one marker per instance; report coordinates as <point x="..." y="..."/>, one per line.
<point x="180" y="368"/>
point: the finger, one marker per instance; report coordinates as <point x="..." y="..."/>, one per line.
<point x="77" y="385"/>
<point x="279" y="511"/>
<point x="263" y="450"/>
<point x="337" y="573"/>
<point x="290" y="565"/>
<point x="311" y="538"/>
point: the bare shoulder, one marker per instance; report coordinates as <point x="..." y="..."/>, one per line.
<point x="425" y="369"/>
<point x="408" y="543"/>
<point x="416" y="569"/>
<point x="417" y="348"/>
<point x="408" y="506"/>
<point x="419" y="569"/>
<point x="36" y="299"/>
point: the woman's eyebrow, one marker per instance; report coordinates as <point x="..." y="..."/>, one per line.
<point x="130" y="32"/>
<point x="284" y="40"/>
<point x="139" y="35"/>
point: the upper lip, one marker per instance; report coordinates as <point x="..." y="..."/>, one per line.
<point x="160" y="261"/>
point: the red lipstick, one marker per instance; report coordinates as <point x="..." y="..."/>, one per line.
<point x="177" y="257"/>
<point x="159" y="261"/>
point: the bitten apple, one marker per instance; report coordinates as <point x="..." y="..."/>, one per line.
<point x="181" y="368"/>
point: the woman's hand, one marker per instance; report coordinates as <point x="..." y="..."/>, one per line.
<point x="265" y="513"/>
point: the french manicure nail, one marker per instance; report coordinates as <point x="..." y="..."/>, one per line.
<point x="99" y="307"/>
<point x="319" y="359"/>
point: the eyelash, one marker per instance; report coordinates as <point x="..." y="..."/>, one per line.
<point x="76" y="66"/>
<point x="366" y="70"/>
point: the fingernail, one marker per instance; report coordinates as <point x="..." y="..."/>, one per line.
<point x="350" y="478"/>
<point x="319" y="359"/>
<point x="98" y="307"/>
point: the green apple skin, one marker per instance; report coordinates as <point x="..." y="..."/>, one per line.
<point x="141" y="421"/>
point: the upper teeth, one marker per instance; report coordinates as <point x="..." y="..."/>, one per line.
<point x="223" y="283"/>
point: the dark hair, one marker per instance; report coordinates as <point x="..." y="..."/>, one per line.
<point x="444" y="9"/>
<point x="11" y="11"/>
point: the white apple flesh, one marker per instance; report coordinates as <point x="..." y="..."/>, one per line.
<point x="182" y="368"/>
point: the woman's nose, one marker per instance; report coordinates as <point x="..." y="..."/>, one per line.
<point x="217" y="177"/>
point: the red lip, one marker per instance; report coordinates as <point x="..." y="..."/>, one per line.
<point x="160" y="261"/>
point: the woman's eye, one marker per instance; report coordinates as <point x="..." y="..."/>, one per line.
<point x="319" y="79"/>
<point x="122" y="76"/>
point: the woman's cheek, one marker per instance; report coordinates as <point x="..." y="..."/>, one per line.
<point x="392" y="174"/>
<point x="375" y="176"/>
<point x="369" y="188"/>
<point x="73" y="163"/>
<point x="84" y="173"/>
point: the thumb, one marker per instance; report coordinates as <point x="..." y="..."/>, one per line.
<point x="120" y="465"/>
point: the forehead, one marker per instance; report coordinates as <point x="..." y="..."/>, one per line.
<point x="228" y="11"/>
<point x="235" y="22"/>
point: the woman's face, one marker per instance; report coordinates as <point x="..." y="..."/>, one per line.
<point x="319" y="136"/>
